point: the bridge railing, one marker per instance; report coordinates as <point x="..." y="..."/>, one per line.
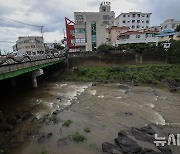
<point x="10" y="60"/>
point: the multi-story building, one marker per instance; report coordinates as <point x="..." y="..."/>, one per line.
<point x="169" y="24"/>
<point x="134" y="20"/>
<point x="91" y="27"/>
<point x="134" y="37"/>
<point x="30" y="45"/>
<point x="114" y="31"/>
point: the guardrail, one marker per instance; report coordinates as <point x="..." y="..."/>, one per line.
<point x="10" y="60"/>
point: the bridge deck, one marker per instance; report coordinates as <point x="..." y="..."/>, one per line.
<point x="9" y="71"/>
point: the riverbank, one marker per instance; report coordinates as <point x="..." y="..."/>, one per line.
<point x="153" y="74"/>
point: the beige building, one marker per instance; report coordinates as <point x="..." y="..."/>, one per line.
<point x="31" y="45"/>
<point x="91" y="28"/>
<point x="169" y="24"/>
<point x="115" y="31"/>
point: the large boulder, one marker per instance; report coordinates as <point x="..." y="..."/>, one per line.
<point x="110" y="148"/>
<point x="128" y="145"/>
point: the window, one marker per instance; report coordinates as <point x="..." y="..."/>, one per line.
<point x="128" y="15"/>
<point x="133" y="15"/>
<point x="32" y="46"/>
<point x="26" y="41"/>
<point x="147" y="21"/>
<point x="73" y="42"/>
<point x="138" y="15"/>
<point x="142" y="15"/>
<point x="133" y="21"/>
<point x="133" y="27"/>
<point x="137" y="26"/>
<point x="138" y="21"/>
<point x="124" y="15"/>
<point x="124" y="21"/>
<point x="170" y="36"/>
<point x="137" y="36"/>
<point x="79" y="17"/>
<point x="106" y="17"/>
<point x="80" y="40"/>
<point x="105" y="22"/>
<point x="128" y="21"/>
<point x="147" y="16"/>
<point x="80" y="30"/>
<point x="142" y="21"/>
<point x="72" y="32"/>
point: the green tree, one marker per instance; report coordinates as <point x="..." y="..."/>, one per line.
<point x="173" y="53"/>
<point x="57" y="46"/>
<point x="104" y="49"/>
<point x="177" y="28"/>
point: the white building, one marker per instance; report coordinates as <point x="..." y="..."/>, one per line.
<point x="31" y="45"/>
<point x="133" y="37"/>
<point x="169" y="24"/>
<point x="91" y="27"/>
<point x="133" y="20"/>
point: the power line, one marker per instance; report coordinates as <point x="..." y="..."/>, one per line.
<point x="20" y="22"/>
<point x="7" y="42"/>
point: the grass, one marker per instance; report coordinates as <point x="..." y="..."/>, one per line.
<point x="67" y="123"/>
<point x="77" y="137"/>
<point x="43" y="150"/>
<point x="155" y="74"/>
<point x="55" y="119"/>
<point x="87" y="130"/>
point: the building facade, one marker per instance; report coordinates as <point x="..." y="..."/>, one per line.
<point x="115" y="31"/>
<point x="91" y="28"/>
<point x="134" y="37"/>
<point x="169" y="24"/>
<point x="134" y="20"/>
<point x="31" y="45"/>
<point x="167" y="35"/>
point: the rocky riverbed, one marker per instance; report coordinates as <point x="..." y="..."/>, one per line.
<point x="86" y="118"/>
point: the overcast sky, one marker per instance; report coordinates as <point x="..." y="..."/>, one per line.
<point x="51" y="13"/>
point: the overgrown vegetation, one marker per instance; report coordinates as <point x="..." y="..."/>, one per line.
<point x="43" y="150"/>
<point x="77" y="137"/>
<point x="55" y="119"/>
<point x="87" y="130"/>
<point x="133" y="74"/>
<point x="104" y="49"/>
<point x="67" y="123"/>
<point x="173" y="53"/>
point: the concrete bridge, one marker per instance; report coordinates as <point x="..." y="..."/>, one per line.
<point x="31" y="66"/>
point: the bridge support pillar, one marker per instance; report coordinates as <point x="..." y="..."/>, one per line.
<point x="13" y="82"/>
<point x="34" y="76"/>
<point x="34" y="82"/>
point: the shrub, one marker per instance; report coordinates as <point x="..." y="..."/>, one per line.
<point x="55" y="119"/>
<point x="67" y="123"/>
<point x="87" y="130"/>
<point x="77" y="137"/>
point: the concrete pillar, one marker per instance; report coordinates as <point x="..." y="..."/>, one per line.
<point x="34" y="82"/>
<point x="13" y="82"/>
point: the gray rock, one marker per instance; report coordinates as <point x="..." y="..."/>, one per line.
<point x="140" y="135"/>
<point x="110" y="148"/>
<point x="128" y="145"/>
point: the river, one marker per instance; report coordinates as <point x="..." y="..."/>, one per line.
<point x="105" y="109"/>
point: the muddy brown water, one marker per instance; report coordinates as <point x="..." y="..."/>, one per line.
<point x="106" y="109"/>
